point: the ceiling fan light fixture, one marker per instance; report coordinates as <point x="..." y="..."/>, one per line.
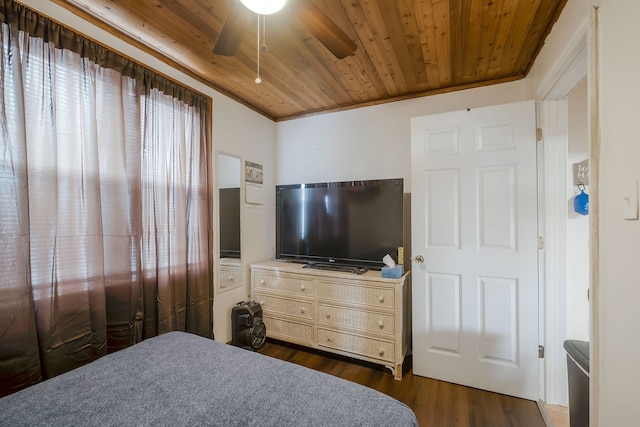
<point x="264" y="7"/>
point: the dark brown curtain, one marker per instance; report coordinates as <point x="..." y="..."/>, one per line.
<point x="105" y="234"/>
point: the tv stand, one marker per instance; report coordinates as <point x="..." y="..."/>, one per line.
<point x="363" y="316"/>
<point x="337" y="267"/>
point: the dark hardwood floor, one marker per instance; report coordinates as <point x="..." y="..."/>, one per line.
<point x="435" y="403"/>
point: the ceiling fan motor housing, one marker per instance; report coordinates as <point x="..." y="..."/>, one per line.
<point x="249" y="332"/>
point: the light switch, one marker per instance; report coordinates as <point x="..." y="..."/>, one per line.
<point x="630" y="198"/>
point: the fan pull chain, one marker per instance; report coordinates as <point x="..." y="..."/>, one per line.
<point x="263" y="46"/>
<point x="258" y="79"/>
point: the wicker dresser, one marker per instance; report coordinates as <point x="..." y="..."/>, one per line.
<point x="358" y="315"/>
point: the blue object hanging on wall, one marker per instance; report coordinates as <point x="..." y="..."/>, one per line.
<point x="581" y="201"/>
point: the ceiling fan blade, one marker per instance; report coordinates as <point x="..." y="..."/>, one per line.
<point x="324" y="29"/>
<point x="233" y="31"/>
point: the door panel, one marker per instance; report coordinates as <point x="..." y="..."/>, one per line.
<point x="474" y="219"/>
<point x="498" y="320"/>
<point x="443" y="207"/>
<point x="496" y="207"/>
<point x="445" y="308"/>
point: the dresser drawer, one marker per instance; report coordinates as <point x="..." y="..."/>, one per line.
<point x="292" y="284"/>
<point x="347" y="317"/>
<point x="291" y="307"/>
<point x="354" y="294"/>
<point x="284" y="329"/>
<point x="370" y="347"/>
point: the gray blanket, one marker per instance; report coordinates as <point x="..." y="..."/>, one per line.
<point x="180" y="379"/>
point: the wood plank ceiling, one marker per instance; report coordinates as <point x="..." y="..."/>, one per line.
<point x="405" y="48"/>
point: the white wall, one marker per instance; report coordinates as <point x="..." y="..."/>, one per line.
<point x="240" y="132"/>
<point x="371" y="142"/>
<point x="236" y="130"/>
<point x="578" y="321"/>
<point x="619" y="240"/>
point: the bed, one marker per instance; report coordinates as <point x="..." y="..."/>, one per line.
<point x="183" y="379"/>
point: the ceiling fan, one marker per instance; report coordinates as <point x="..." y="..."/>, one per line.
<point x="308" y="14"/>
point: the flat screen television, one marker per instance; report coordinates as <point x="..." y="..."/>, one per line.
<point x="229" y="205"/>
<point x="343" y="223"/>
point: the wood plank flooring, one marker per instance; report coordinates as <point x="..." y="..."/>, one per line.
<point x="435" y="403"/>
<point x="559" y="415"/>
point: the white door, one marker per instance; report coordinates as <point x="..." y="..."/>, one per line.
<point x="474" y="221"/>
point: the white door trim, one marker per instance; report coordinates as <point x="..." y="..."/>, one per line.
<point x="571" y="70"/>
<point x="594" y="214"/>
<point x="552" y="117"/>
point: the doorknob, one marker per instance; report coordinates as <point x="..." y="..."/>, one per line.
<point x="419" y="259"/>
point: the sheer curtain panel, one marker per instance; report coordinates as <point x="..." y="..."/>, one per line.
<point x="105" y="234"/>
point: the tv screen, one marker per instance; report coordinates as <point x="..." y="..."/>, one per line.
<point x="352" y="223"/>
<point x="229" y="204"/>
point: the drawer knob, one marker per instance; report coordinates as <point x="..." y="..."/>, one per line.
<point x="381" y="324"/>
<point x="262" y="281"/>
<point x="381" y="351"/>
<point x="328" y="315"/>
<point x="302" y="287"/>
<point x="329" y="339"/>
<point x="381" y="298"/>
<point x="302" y="310"/>
<point x="231" y="278"/>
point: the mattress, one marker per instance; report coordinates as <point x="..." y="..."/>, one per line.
<point x="183" y="379"/>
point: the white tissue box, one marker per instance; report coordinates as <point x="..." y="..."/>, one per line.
<point x="392" y="272"/>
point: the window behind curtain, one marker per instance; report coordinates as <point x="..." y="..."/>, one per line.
<point x="104" y="202"/>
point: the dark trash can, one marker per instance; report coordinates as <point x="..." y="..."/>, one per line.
<point x="578" y="372"/>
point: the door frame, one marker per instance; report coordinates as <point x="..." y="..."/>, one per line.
<point x="570" y="70"/>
